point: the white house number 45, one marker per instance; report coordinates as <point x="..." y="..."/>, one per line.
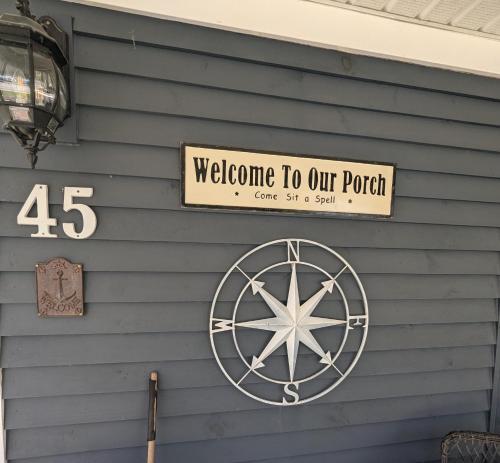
<point x="40" y="195"/>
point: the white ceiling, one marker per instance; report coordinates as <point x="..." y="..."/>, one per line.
<point x="478" y="17"/>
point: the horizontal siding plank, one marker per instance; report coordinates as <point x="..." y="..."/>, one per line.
<point x="81" y="438"/>
<point x="125" y="348"/>
<point x="84" y="437"/>
<point x="113" y="91"/>
<point x="21" y="319"/>
<point x="408" y="452"/>
<point x="447" y="212"/>
<point x="17" y="287"/>
<point x="113" y="125"/>
<point x="125" y="191"/>
<point x="285" y="445"/>
<point x="235" y="228"/>
<point x="406" y="210"/>
<point x="19" y="254"/>
<point x="129" y="377"/>
<point x="212" y="71"/>
<point x="97" y="158"/>
<point x="447" y="186"/>
<point x="189" y="414"/>
<point x="377" y="454"/>
<point x="163" y="161"/>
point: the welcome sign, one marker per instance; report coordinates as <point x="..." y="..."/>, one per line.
<point x="238" y="179"/>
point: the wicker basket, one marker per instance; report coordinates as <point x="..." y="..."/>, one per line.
<point x="470" y="447"/>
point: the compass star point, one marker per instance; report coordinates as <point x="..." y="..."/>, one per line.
<point x="292" y="347"/>
<point x="256" y="286"/>
<point x="293" y="301"/>
<point x="268" y="324"/>
<point x="327" y="359"/>
<point x="256" y="363"/>
<point x="328" y="285"/>
<point x="313" y="323"/>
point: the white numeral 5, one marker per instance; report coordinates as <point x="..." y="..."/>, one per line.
<point x="88" y="215"/>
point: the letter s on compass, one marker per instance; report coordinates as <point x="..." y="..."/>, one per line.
<point x="293" y="394"/>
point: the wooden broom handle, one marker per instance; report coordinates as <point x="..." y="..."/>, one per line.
<point x="153" y="406"/>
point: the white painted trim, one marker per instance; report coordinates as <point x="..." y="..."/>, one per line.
<point x="330" y="27"/>
<point x="3" y="449"/>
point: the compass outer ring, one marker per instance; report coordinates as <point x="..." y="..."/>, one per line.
<point x="365" y="328"/>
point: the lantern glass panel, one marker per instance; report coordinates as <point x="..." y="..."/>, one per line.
<point x="45" y="81"/>
<point x="14" y="75"/>
<point x="62" y="105"/>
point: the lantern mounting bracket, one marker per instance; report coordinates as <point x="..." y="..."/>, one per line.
<point x="56" y="32"/>
<point x="23" y="6"/>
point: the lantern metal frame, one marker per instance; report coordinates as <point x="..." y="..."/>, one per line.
<point x="42" y="36"/>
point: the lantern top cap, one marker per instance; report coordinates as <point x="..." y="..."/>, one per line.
<point x="26" y="25"/>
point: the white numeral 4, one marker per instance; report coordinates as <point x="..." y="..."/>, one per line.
<point x="88" y="215"/>
<point x="40" y="196"/>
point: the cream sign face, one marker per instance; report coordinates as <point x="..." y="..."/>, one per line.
<point x="229" y="178"/>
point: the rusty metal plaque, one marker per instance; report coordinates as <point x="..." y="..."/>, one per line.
<point x="59" y="287"/>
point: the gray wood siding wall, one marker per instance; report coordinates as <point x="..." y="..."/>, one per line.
<point x="75" y="390"/>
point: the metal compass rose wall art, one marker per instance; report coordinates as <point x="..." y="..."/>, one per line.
<point x="298" y="326"/>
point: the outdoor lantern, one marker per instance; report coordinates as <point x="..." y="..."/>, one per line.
<point x="34" y="96"/>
